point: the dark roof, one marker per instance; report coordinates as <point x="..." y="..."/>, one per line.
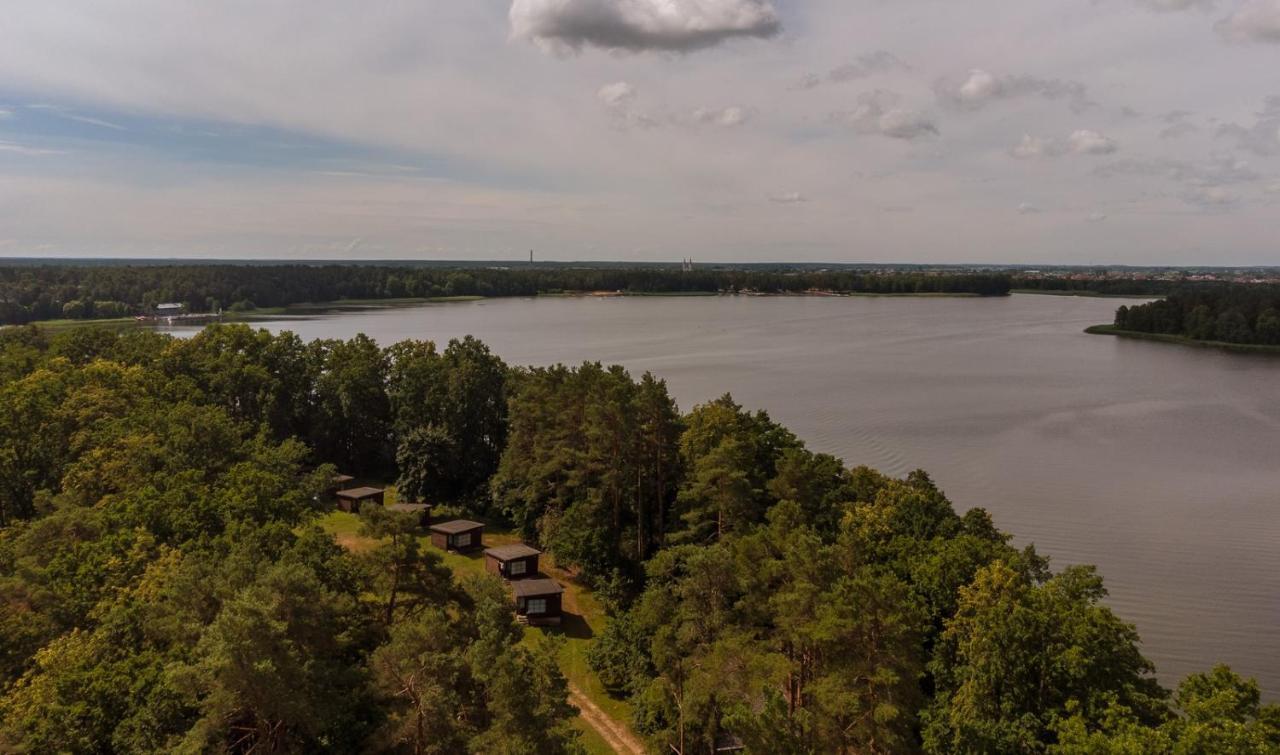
<point x="342" y="479"/>
<point x="360" y="492"/>
<point x="534" y="588"/>
<point x="513" y="551"/>
<point x="413" y="507"/>
<point x="456" y="526"/>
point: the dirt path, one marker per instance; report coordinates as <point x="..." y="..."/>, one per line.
<point x="617" y="735"/>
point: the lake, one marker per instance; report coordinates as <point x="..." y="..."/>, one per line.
<point x="1158" y="463"/>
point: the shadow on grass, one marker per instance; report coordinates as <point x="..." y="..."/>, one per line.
<point x="573" y="626"/>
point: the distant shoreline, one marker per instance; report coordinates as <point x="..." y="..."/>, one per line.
<point x="1087" y="294"/>
<point x="1242" y="348"/>
<point x="308" y="309"/>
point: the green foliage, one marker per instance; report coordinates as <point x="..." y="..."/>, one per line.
<point x="164" y="589"/>
<point x="1230" y="313"/>
<point x="590" y="468"/>
<point x="45" y="291"/>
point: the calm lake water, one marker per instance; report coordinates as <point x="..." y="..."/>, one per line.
<point x="1158" y="463"/>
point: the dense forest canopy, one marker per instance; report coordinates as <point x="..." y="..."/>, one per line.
<point x="1229" y="313"/>
<point x="164" y="586"/>
<point x="43" y="292"/>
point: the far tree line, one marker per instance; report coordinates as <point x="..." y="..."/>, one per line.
<point x="30" y="293"/>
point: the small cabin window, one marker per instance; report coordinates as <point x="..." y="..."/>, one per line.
<point x="463" y="540"/>
<point x="517" y="567"/>
<point x="537" y="605"/>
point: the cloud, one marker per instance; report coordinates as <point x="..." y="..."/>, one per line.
<point x="5" y="114"/>
<point x="1096" y="217"/>
<point x="567" y="26"/>
<point x="726" y="117"/>
<point x="1081" y="142"/>
<point x="860" y="68"/>
<point x="1177" y="125"/>
<point x="1221" y="170"/>
<point x="1211" y="197"/>
<point x="616" y="94"/>
<point x="1033" y="146"/>
<point x="790" y="197"/>
<point x="1168" y="6"/>
<point x="981" y="88"/>
<point x="878" y="113"/>
<point x="1026" y="208"/>
<point x="22" y="149"/>
<point x="1263" y="137"/>
<point x="1254" y="21"/>
<point x="1088" y="142"/>
<point x="618" y="99"/>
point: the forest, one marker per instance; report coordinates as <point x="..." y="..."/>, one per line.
<point x="164" y="586"/>
<point x="37" y="292"/>
<point x="1226" y="313"/>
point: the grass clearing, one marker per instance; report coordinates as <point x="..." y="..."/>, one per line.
<point x="584" y="619"/>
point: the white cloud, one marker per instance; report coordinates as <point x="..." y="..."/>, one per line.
<point x="727" y="117"/>
<point x="980" y="88"/>
<point x="878" y="113"/>
<point x="1081" y="142"/>
<point x="26" y="151"/>
<point x="1166" y="6"/>
<point x="1219" y="171"/>
<point x="1097" y="217"/>
<point x="639" y="25"/>
<point x="1261" y="138"/>
<point x="1089" y="142"/>
<point x="790" y="197"/>
<point x="1033" y="146"/>
<point x="616" y="94"/>
<point x="1026" y="208"/>
<point x="1254" y="21"/>
<point x="861" y="67"/>
<point x="1211" y="197"/>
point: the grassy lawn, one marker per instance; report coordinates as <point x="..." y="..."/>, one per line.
<point x="584" y="615"/>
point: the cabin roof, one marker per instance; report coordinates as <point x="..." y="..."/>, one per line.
<point x="410" y="507"/>
<point x="359" y="493"/>
<point x="511" y="552"/>
<point x="536" y="588"/>
<point x="342" y="479"/>
<point x="456" y="527"/>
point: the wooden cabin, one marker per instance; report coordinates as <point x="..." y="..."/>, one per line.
<point x="459" y="535"/>
<point x="353" y="498"/>
<point x="517" y="561"/>
<point x="421" y="510"/>
<point x="538" y="601"/>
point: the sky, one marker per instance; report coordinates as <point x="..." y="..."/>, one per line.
<point x="1055" y="131"/>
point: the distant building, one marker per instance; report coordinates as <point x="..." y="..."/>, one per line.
<point x="538" y="601"/>
<point x="458" y="535"/>
<point x="351" y="500"/>
<point x="170" y="308"/>
<point x="512" y="562"/>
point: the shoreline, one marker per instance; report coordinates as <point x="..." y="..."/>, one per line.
<point x="310" y="309"/>
<point x="1239" y="348"/>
